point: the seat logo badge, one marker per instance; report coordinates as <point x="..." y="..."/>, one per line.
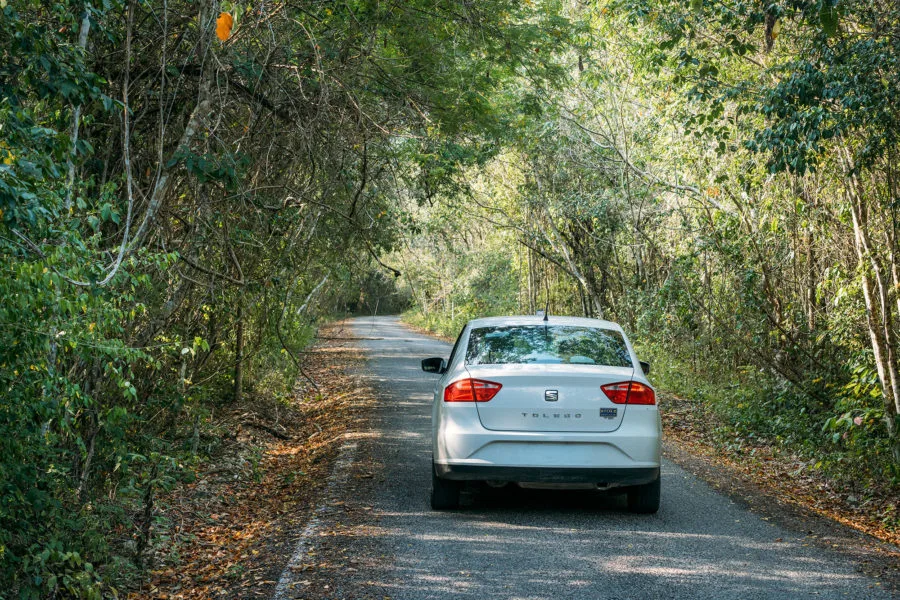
<point x="551" y="395"/>
<point x="608" y="413"/>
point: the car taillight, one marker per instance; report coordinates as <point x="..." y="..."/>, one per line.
<point x="629" y="392"/>
<point x="471" y="390"/>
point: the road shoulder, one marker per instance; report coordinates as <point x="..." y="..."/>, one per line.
<point x="871" y="556"/>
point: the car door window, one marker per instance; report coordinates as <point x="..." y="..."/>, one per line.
<point x="455" y="348"/>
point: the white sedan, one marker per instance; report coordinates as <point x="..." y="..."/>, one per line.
<point x="544" y="401"/>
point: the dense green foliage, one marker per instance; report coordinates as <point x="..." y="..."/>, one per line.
<point x="720" y="178"/>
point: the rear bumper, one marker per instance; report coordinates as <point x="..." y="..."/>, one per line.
<point x="605" y="476"/>
<point x="461" y="444"/>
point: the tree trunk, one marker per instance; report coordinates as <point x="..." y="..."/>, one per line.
<point x="532" y="295"/>
<point x="879" y="315"/>
<point x="559" y="245"/>
<point x="239" y="354"/>
<point x="810" y="282"/>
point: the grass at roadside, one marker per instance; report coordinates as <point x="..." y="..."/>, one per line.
<point x="445" y="329"/>
<point x="230" y="533"/>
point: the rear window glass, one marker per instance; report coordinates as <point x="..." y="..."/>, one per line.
<point x="548" y="344"/>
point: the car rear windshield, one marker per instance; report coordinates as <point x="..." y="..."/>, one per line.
<point x="547" y="344"/>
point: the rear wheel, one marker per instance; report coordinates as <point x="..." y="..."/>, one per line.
<point x="644" y="499"/>
<point x="444" y="492"/>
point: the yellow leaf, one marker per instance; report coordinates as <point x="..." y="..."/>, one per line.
<point x="223" y="26"/>
<point x="8" y="157"/>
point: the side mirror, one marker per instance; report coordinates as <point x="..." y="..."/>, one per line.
<point x="434" y="365"/>
<point x="645" y="366"/>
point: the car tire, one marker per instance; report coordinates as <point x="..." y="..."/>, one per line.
<point x="644" y="499"/>
<point x="444" y="492"/>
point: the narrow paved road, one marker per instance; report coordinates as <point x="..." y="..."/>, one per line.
<point x="529" y="544"/>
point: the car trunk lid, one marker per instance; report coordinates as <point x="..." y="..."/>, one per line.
<point x="551" y="397"/>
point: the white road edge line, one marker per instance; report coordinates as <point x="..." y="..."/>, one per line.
<point x="338" y="478"/>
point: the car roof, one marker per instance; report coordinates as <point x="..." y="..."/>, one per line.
<point x="539" y="320"/>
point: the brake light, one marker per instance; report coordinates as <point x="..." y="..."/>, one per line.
<point x="629" y="392"/>
<point x="617" y="392"/>
<point x="471" y="390"/>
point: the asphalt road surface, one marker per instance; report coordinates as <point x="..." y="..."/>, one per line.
<point x="539" y="544"/>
